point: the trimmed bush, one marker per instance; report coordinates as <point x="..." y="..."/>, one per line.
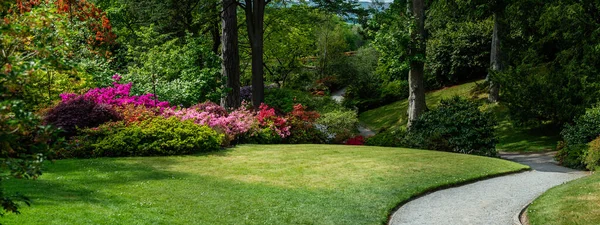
<point x="80" y="113"/>
<point x="457" y="125"/>
<point x="158" y="136"/>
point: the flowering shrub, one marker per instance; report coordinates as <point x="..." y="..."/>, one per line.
<point x="210" y="107"/>
<point x="302" y="126"/>
<point x="232" y="124"/>
<point x="267" y="118"/>
<point x="358" y="140"/>
<point x="135" y="113"/>
<point x="118" y="95"/>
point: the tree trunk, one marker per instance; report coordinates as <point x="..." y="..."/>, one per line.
<point x="255" y="12"/>
<point x="416" y="98"/>
<point x="495" y="61"/>
<point x="231" y="59"/>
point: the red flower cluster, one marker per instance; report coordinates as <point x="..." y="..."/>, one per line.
<point x="358" y="140"/>
<point x="87" y="11"/>
<point x="267" y="118"/>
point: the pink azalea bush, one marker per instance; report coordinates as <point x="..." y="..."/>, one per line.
<point x="233" y="124"/>
<point x="238" y="122"/>
<point x="118" y="95"/>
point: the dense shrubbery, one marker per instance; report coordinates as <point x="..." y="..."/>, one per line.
<point x="388" y="138"/>
<point x="157" y="136"/>
<point x="210" y="114"/>
<point x="457" y="53"/>
<point x="285" y="99"/>
<point x="183" y="71"/>
<point x="592" y="156"/>
<point x="24" y="145"/>
<point x="80" y="113"/>
<point x="572" y="151"/>
<point x="457" y="125"/>
<point x="302" y="127"/>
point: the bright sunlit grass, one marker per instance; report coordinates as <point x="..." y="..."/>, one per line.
<point x="575" y="202"/>
<point x="249" y="184"/>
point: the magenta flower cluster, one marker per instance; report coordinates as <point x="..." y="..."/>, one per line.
<point x="210" y="114"/>
<point x="118" y="95"/>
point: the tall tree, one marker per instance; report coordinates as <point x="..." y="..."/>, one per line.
<point x="255" y="16"/>
<point x="416" y="98"/>
<point x="495" y="54"/>
<point x="230" y="53"/>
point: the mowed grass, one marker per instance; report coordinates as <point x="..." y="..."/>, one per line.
<point x="576" y="202"/>
<point x="249" y="184"/>
<point x="511" y="137"/>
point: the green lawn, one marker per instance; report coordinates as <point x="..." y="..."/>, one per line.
<point x="249" y="184"/>
<point x="576" y="202"/>
<point x="511" y="137"/>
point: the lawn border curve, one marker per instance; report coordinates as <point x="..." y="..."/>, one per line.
<point x="448" y="186"/>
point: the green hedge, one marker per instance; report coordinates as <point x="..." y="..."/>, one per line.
<point x="158" y="136"/>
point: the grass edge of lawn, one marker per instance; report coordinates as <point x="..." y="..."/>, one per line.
<point x="452" y="185"/>
<point x="524" y="215"/>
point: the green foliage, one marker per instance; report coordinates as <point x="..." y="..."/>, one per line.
<point x="592" y="156"/>
<point x="183" y="71"/>
<point x="339" y="125"/>
<point x="576" y="137"/>
<point x="457" y="125"/>
<point x="42" y="59"/>
<point x="368" y="89"/>
<point x="284" y="99"/>
<point x="262" y="136"/>
<point x="158" y="136"/>
<point x="388" y="138"/>
<point x="553" y="50"/>
<point x="457" y="53"/>
<point x="24" y="145"/>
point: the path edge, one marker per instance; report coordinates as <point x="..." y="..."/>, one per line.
<point x="448" y="186"/>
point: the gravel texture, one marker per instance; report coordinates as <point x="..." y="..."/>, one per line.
<point x="492" y="201"/>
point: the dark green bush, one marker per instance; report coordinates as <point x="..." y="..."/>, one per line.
<point x="457" y="125"/>
<point x="576" y="137"/>
<point x="158" y="136"/>
<point x="388" y="138"/>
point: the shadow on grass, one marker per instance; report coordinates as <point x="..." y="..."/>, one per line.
<point x="81" y="180"/>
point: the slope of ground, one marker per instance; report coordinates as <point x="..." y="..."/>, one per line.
<point x="511" y="137"/>
<point x="250" y="184"/>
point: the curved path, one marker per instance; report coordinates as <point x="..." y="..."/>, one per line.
<point x="492" y="201"/>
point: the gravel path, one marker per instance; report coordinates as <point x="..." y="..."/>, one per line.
<point x="338" y="96"/>
<point x="492" y="201"/>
